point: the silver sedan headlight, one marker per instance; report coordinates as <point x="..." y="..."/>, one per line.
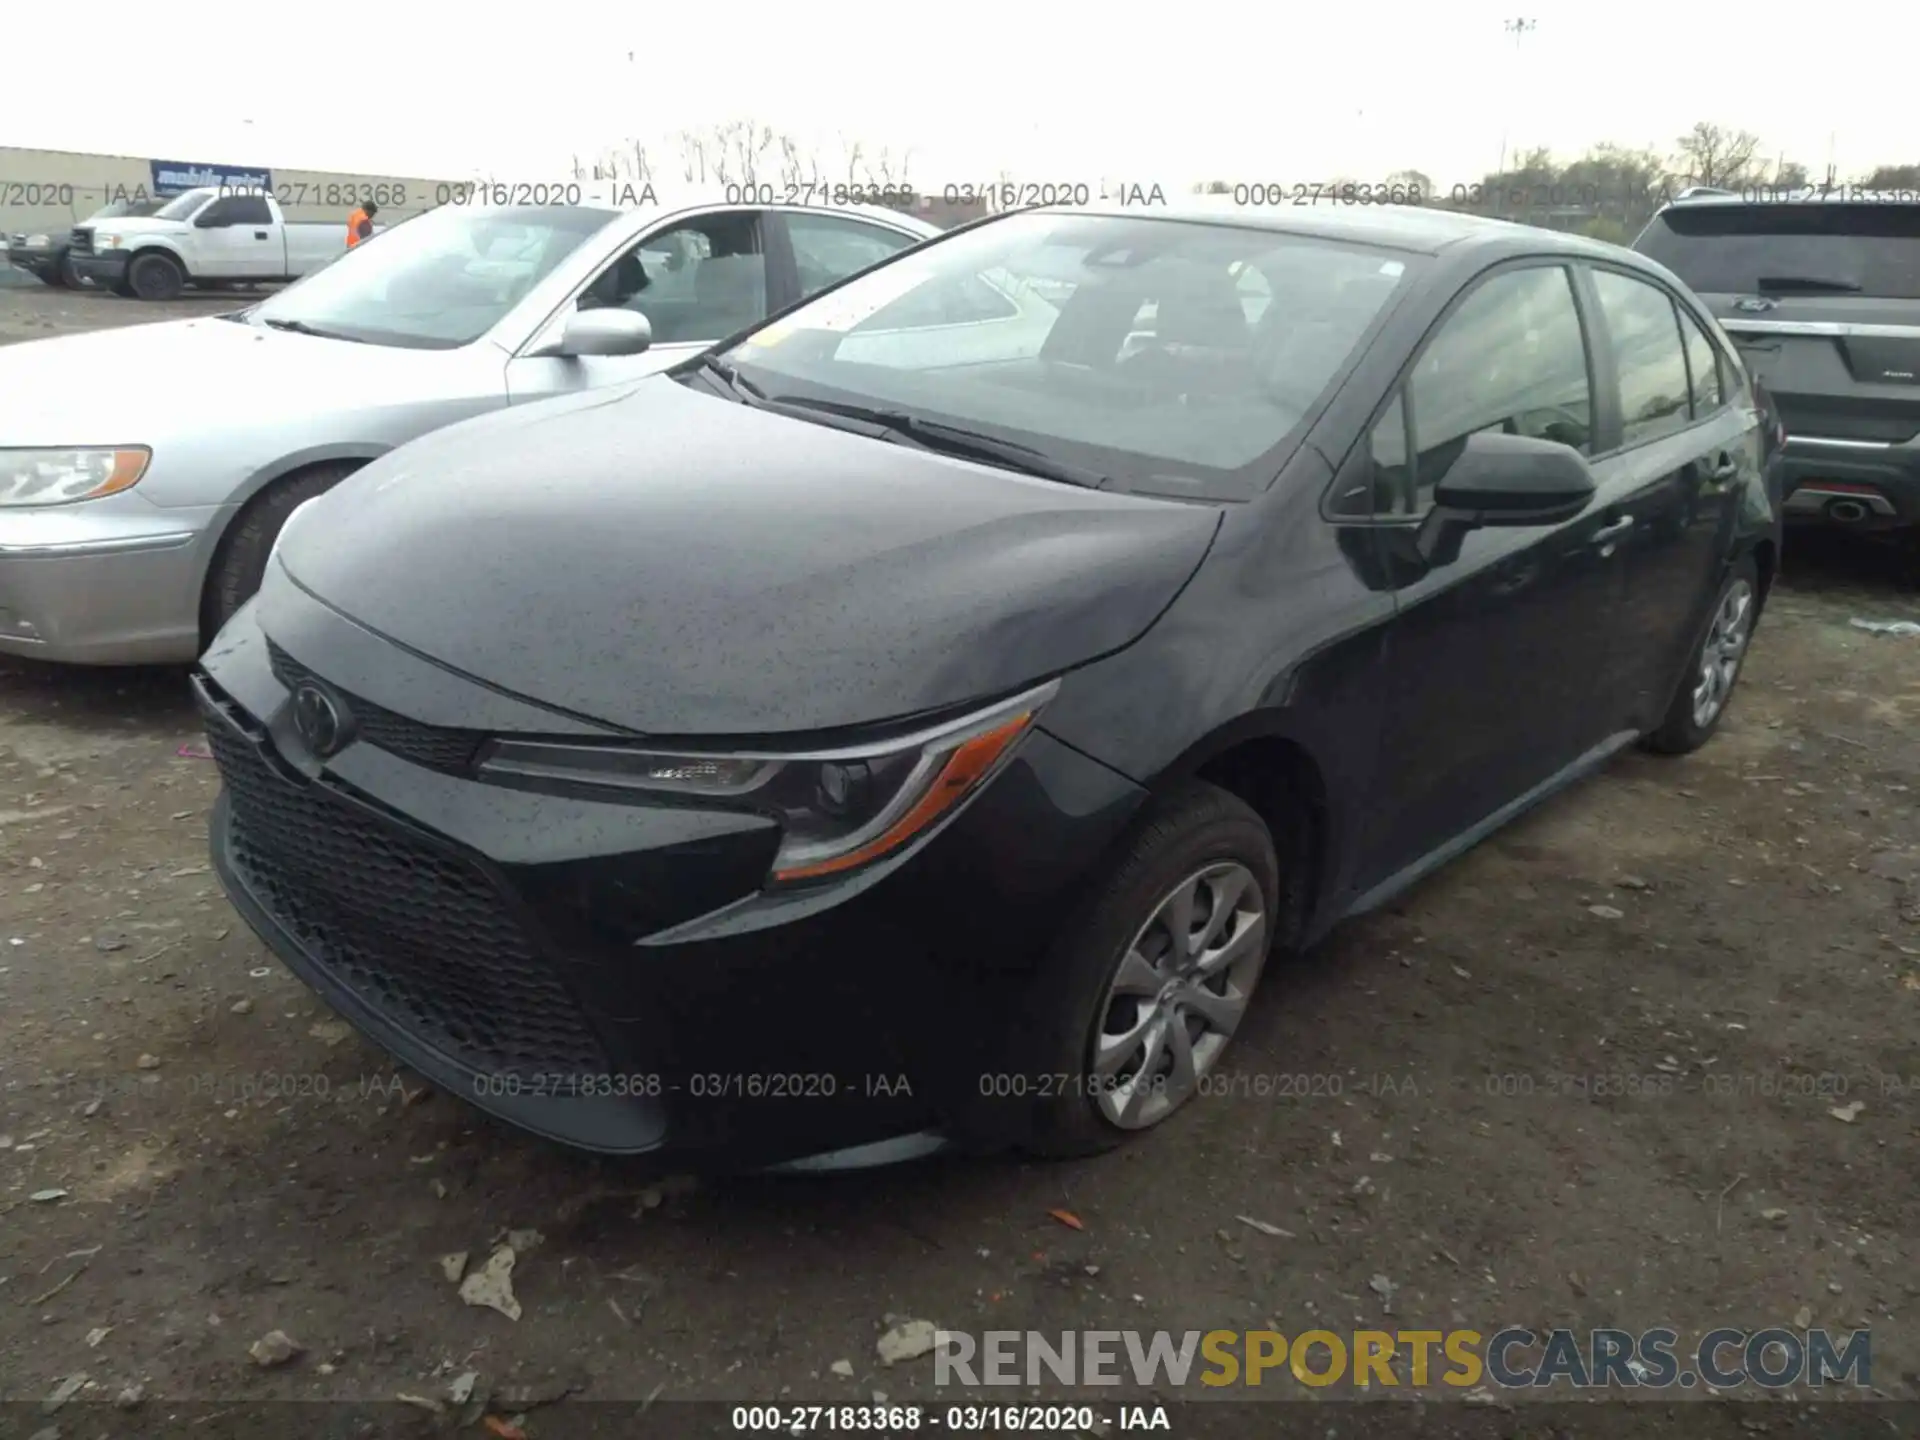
<point x="839" y="809"/>
<point x="60" y="477"/>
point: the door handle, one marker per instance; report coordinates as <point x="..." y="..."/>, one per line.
<point x="259" y="234"/>
<point x="1607" y="534"/>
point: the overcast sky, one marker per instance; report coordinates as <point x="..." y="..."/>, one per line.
<point x="1048" y="92"/>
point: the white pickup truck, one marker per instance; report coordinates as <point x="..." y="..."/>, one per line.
<point x="204" y="237"/>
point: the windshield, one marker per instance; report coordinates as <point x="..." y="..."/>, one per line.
<point x="1173" y="357"/>
<point x="439" y="281"/>
<point x="1718" y="249"/>
<point x="183" y="207"/>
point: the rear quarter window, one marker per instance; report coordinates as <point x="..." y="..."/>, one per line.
<point x="1730" y="249"/>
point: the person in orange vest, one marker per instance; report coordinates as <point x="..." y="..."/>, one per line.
<point x="360" y="223"/>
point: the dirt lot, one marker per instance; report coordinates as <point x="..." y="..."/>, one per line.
<point x="1645" y="1059"/>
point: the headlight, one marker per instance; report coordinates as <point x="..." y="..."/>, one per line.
<point x="839" y="809"/>
<point x="58" y="477"/>
<point x="106" y="242"/>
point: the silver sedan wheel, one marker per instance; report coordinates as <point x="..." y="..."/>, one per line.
<point x="1720" y="657"/>
<point x="1178" y="995"/>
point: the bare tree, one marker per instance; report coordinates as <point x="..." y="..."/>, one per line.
<point x="741" y="148"/>
<point x="797" y="166"/>
<point x="1893" y="177"/>
<point x="1713" y="155"/>
<point x="887" y="169"/>
<point x="696" y="158"/>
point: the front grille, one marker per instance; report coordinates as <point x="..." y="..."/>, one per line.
<point x="436" y="747"/>
<point x="419" y="934"/>
<point x="81" y="241"/>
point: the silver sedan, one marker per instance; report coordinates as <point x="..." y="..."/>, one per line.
<point x="145" y="472"/>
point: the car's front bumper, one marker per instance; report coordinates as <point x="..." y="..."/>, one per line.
<point x="106" y="267"/>
<point x="104" y="582"/>
<point x="608" y="974"/>
<point x="42" y="263"/>
<point x="1864" y="483"/>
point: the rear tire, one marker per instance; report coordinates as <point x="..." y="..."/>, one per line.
<point x="1706" y="687"/>
<point x="1083" y="1006"/>
<point x="156" y="275"/>
<point x="240" y="563"/>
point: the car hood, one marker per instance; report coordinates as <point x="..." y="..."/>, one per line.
<point x="677" y="564"/>
<point x="144" y="383"/>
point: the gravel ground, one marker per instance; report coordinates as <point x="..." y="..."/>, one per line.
<point x="1644" y="1059"/>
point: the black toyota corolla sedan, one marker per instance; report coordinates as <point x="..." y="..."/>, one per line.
<point x="918" y="720"/>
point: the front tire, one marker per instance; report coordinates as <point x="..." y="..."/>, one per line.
<point x="156" y="276"/>
<point x="1713" y="670"/>
<point x="1143" y="992"/>
<point x="241" y="561"/>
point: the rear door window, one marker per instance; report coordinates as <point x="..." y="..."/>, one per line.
<point x="1812" y="247"/>
<point x="1648" y="352"/>
<point x="1703" y="367"/>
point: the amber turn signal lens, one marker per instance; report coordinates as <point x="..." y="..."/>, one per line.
<point x="965" y="767"/>
<point x="128" y="467"/>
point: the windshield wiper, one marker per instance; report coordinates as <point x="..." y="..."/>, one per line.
<point x="953" y="440"/>
<point x="1782" y="284"/>
<point x="300" y="327"/>
<point x="745" y="389"/>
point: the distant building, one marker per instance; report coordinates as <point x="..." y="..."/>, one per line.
<point x="56" y="189"/>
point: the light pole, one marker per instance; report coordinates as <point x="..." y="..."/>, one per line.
<point x="1519" y="27"/>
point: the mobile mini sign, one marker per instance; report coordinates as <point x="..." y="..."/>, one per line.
<point x="171" y="177"/>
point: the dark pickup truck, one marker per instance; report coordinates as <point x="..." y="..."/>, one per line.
<point x="48" y="255"/>
<point x="1821" y="291"/>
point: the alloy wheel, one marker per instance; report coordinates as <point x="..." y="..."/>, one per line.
<point x="1720" y="656"/>
<point x="1178" y="996"/>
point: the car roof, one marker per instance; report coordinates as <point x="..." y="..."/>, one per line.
<point x="628" y="199"/>
<point x="1418" y="228"/>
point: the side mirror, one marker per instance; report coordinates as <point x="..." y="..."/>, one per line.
<point x="600" y="332"/>
<point x="1504" y="480"/>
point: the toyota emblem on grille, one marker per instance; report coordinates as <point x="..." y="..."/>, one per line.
<point x="320" y="719"/>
